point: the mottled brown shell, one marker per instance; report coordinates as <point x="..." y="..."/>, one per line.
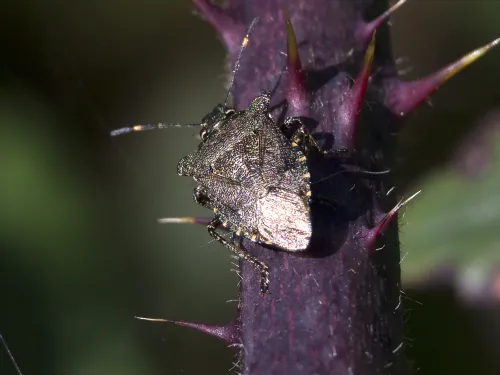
<point x="255" y="179"/>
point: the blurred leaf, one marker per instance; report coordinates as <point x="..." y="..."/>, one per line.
<point x="455" y="221"/>
<point x="45" y="208"/>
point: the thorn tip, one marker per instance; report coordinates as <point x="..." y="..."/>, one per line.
<point x="366" y="29"/>
<point x="184" y="220"/>
<point x="347" y="114"/>
<point x="295" y="91"/>
<point x="154" y="319"/>
<point x="403" y="97"/>
<point x="385" y="219"/>
<point x="177" y="220"/>
<point x="227" y="333"/>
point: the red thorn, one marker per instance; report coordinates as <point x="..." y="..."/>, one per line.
<point x="384" y="220"/>
<point x="293" y="57"/>
<point x="295" y="90"/>
<point x="185" y="220"/>
<point x="347" y="114"/>
<point x="403" y="97"/>
<point x="228" y="333"/>
<point x="188" y="220"/>
<point x="366" y="29"/>
<point x="230" y="31"/>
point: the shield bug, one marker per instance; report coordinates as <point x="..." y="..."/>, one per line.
<point x="253" y="177"/>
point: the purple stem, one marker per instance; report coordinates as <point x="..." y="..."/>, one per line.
<point x="335" y="310"/>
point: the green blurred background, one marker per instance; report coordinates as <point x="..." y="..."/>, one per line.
<point x="81" y="253"/>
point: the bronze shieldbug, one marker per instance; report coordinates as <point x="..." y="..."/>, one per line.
<point x="251" y="175"/>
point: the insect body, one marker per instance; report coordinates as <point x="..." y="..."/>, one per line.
<point x="252" y="176"/>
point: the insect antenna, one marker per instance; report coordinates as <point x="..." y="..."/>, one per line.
<point x="140" y="128"/>
<point x="10" y="355"/>
<point x="237" y="63"/>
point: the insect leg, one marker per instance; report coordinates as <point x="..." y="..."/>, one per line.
<point x="302" y="135"/>
<point x="304" y="138"/>
<point x="264" y="270"/>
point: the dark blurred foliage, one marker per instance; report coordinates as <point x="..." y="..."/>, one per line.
<point x="80" y="251"/>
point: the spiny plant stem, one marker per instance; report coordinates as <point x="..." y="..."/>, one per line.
<point x="337" y="308"/>
<point x="335" y="312"/>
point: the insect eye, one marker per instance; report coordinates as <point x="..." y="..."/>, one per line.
<point x="203" y="134"/>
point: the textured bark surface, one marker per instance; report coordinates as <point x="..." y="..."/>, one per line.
<point x="335" y="310"/>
